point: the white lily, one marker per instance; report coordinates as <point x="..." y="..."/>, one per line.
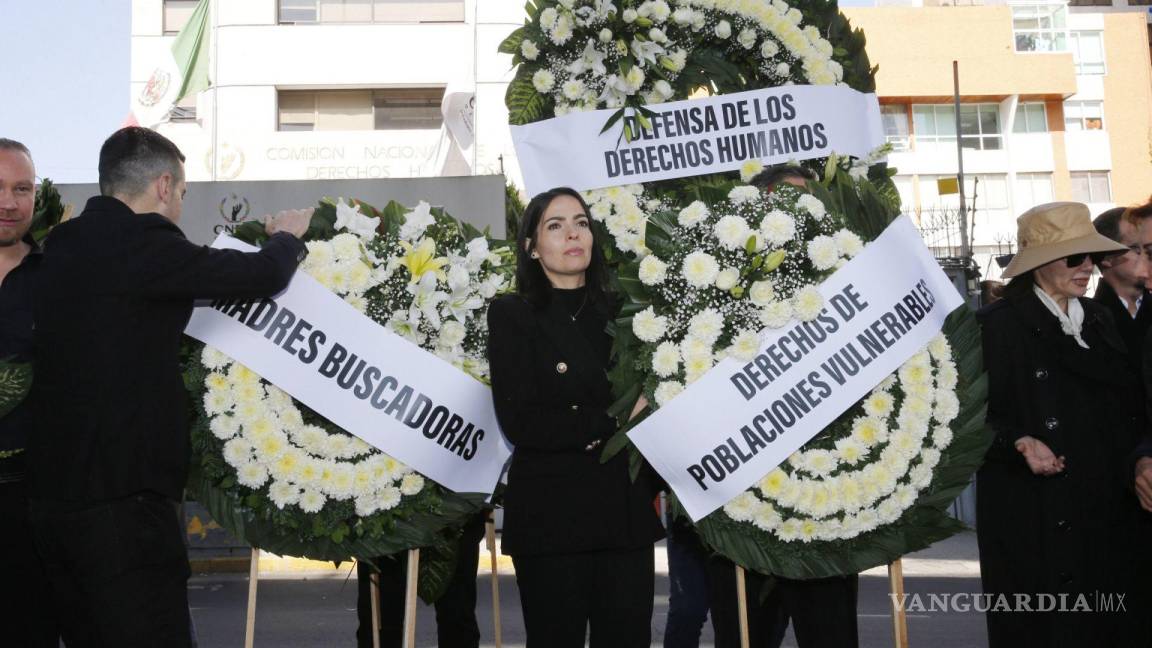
<point x="349" y="218"/>
<point x="416" y="221"/>
<point x="426" y="300"/>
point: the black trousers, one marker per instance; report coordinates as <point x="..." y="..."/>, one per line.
<point x="823" y="610"/>
<point x="27" y="618"/>
<point x="455" y="611"/>
<point x="564" y="595"/>
<point x="118" y="571"/>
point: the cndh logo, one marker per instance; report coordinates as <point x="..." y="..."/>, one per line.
<point x="234" y="210"/>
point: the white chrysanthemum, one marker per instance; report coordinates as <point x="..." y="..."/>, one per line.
<point x="217" y="380"/>
<point x="745" y="346"/>
<point x="706" y="325"/>
<point x="732" y="232"/>
<point x="941" y="437"/>
<point x="879" y="404"/>
<point x="918" y="409"/>
<point x="287" y="465"/>
<point x="700" y="269"/>
<point x="241" y="375"/>
<point x="727" y="279"/>
<point x="224" y="427"/>
<point x="311" y="501"/>
<point x="744" y="194"/>
<point x="389" y="497"/>
<point x="776" y="314"/>
<point x="823" y="252"/>
<point x="411" y="484"/>
<point x="693" y="214"/>
<point x="778" y="227"/>
<point x="723" y="29"/>
<point x="218" y="401"/>
<point x="573" y="89"/>
<point x="742" y="507"/>
<point x="283" y="494"/>
<point x="666" y="391"/>
<point x="812" y="205"/>
<point x="807" y="303"/>
<point x="237" y="452"/>
<point x="666" y="359"/>
<point x="214" y="358"/>
<point x="648" y="326"/>
<point x="543" y="80"/>
<point x="367" y="504"/>
<point x="947" y="406"/>
<point x="773" y="484"/>
<point x="868" y="431"/>
<point x="849" y="243"/>
<point x="529" y="50"/>
<point x="696" y="365"/>
<point x="346" y="246"/>
<point x="252" y="474"/>
<point x="939" y="348"/>
<point x="915" y="374"/>
<point x="850" y="450"/>
<point x="750" y="169"/>
<point x="652" y="271"/>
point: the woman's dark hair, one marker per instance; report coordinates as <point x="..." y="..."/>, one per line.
<point x="531" y="282"/>
<point x="1019" y="285"/>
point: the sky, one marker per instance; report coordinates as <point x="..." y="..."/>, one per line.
<point x="65" y="74"/>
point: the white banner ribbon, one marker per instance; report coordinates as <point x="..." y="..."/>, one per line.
<point x="364" y="378"/>
<point x="741" y="420"/>
<point x="698" y="136"/>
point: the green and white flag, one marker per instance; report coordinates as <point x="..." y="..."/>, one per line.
<point x="183" y="71"/>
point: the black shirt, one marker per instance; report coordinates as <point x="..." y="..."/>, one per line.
<point x="16" y="346"/>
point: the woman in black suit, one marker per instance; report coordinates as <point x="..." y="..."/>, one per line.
<point x="580" y="532"/>
<point x="1056" y="516"/>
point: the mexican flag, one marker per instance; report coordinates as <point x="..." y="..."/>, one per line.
<point x="182" y="71"/>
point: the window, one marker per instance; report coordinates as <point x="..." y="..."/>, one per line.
<point x="370" y="11"/>
<point x="1030" y="118"/>
<point x="979" y="124"/>
<point x="1083" y="115"/>
<point x="1032" y="189"/>
<point x="184" y="110"/>
<point x="1091" y="187"/>
<point x="388" y="109"/>
<point x="1087" y="51"/>
<point x="895" y="120"/>
<point x="981" y="192"/>
<point x="176" y="15"/>
<point x="1040" y="27"/>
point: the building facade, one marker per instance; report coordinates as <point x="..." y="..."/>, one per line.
<point x="1056" y="100"/>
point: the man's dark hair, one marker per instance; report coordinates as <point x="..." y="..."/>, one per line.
<point x="531" y="282"/>
<point x="12" y="145"/>
<point x="1107" y="224"/>
<point x="133" y="157"/>
<point x="774" y="175"/>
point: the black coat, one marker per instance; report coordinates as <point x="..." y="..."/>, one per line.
<point x="1132" y="330"/>
<point x="1074" y="532"/>
<point x="117" y="289"/>
<point x="551" y="395"/>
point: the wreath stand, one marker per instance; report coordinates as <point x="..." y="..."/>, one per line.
<point x="895" y="583"/>
<point x="410" y="595"/>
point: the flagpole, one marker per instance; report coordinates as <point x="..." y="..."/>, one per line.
<point x="475" y="83"/>
<point x="215" y="85"/>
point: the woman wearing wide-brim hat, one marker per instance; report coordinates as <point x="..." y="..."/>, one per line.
<point x="1056" y="516"/>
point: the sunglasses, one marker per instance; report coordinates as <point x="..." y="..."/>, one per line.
<point x="1074" y="260"/>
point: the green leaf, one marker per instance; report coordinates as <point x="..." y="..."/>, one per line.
<point x="525" y="104"/>
<point x="511" y="44"/>
<point x="612" y="120"/>
<point x="15" y="382"/>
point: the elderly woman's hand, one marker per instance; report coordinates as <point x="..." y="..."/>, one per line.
<point x="1041" y="460"/>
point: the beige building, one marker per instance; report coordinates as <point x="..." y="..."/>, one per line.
<point x="1056" y="104"/>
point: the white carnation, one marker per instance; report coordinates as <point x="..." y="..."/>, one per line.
<point x="693" y="214"/>
<point x="849" y="243"/>
<point x="700" y="269"/>
<point x="732" y="232"/>
<point x="648" y="326"/>
<point x="744" y="194"/>
<point x="778" y="227"/>
<point x="776" y="314"/>
<point x="812" y="205"/>
<point x="529" y="50"/>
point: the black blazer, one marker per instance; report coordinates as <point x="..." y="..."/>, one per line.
<point x="551" y="395"/>
<point x="117" y="289"/>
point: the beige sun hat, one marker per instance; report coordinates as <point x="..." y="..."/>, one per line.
<point x="1053" y="231"/>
